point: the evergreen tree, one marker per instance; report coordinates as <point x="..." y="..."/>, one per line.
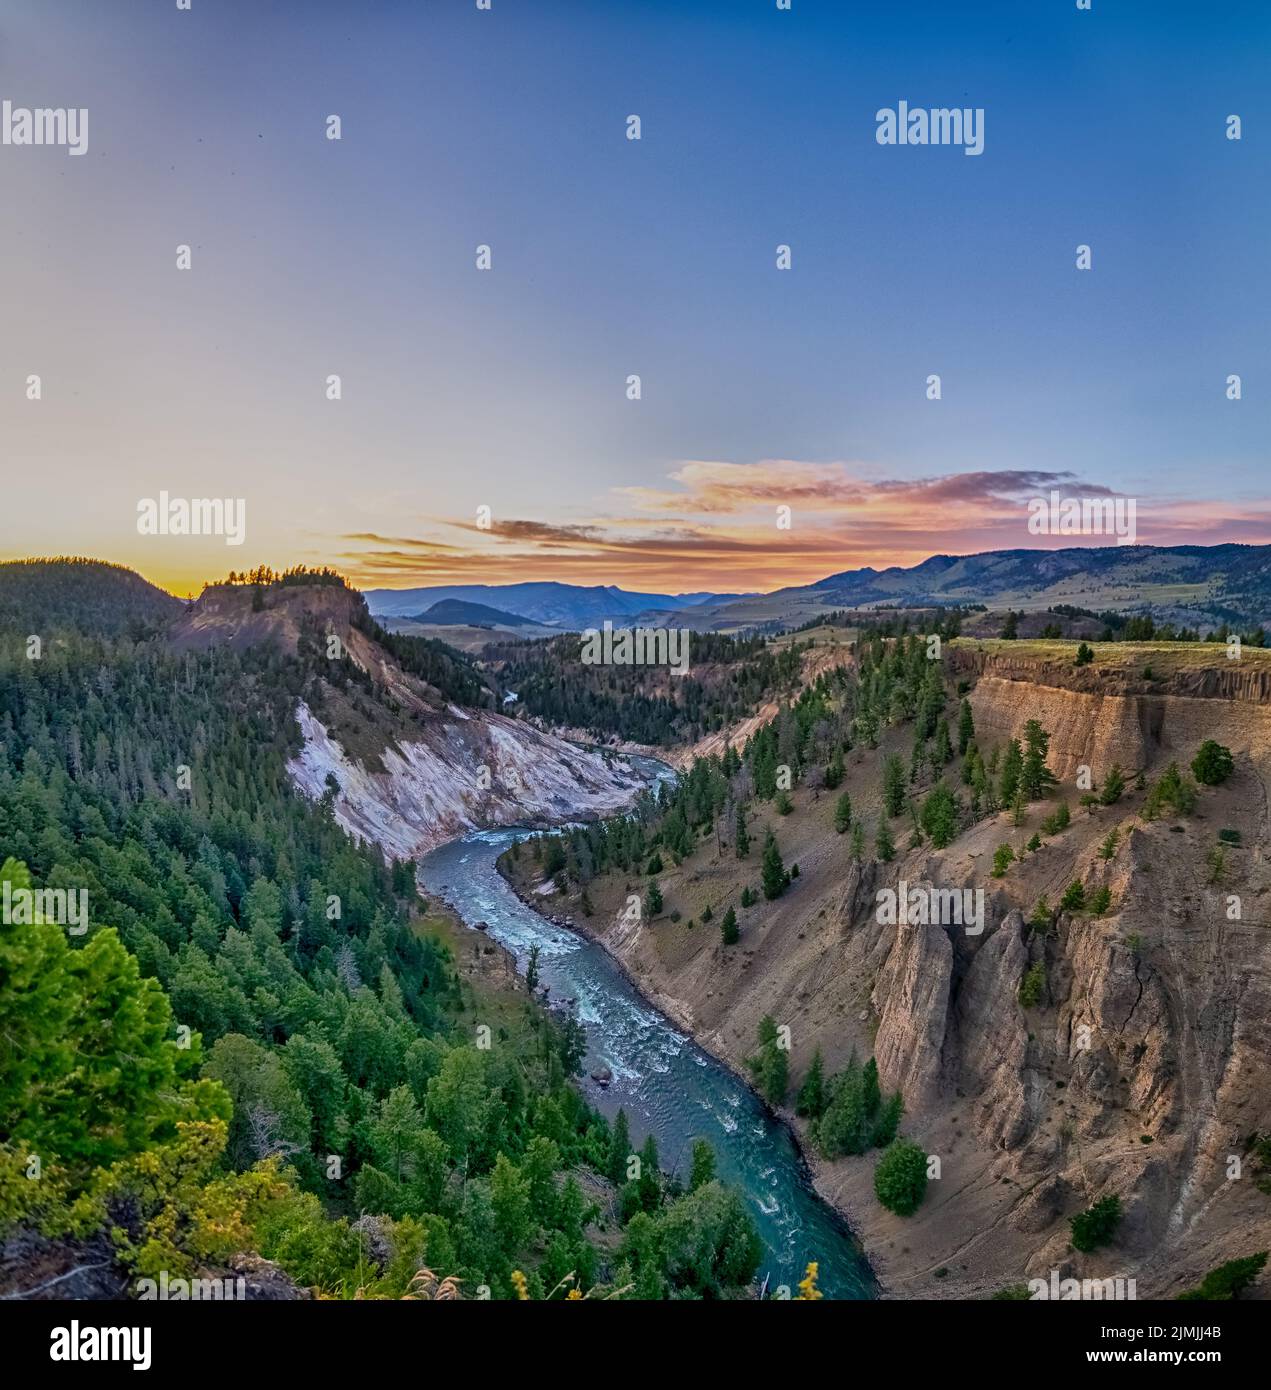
<point x="940" y="816"/>
<point x="857" y="850"/>
<point x="966" y="727"/>
<point x="773" y="875"/>
<point x="770" y="1065"/>
<point x="900" y="1180"/>
<point x="1113" y="786"/>
<point x="810" y="1102"/>
<point x="893" y="785"/>
<point x="1213" y="763"/>
<point x="652" y="899"/>
<point x="741" y="834"/>
<point x="843" y="813"/>
<point x="1035" y="776"/>
<point x="884" y="845"/>
<point x="619" y="1149"/>
<point x="702" y="1170"/>
<point x="1012" y="769"/>
<point x="728" y="928"/>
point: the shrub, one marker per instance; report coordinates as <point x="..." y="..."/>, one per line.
<point x="1113" y="785"/>
<point x="1216" y="861"/>
<point x="1171" y="789"/>
<point x="1034" y="982"/>
<point x="1100" y="900"/>
<point x="1074" y="898"/>
<point x="1228" y="1281"/>
<point x="1229" y="837"/>
<point x="1212" y="763"/>
<point x="1041" y="915"/>
<point x="900" y="1180"/>
<point x="1096" y="1225"/>
<point x="1003" y="857"/>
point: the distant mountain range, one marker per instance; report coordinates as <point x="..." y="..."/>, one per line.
<point x="567" y="606"/>
<point x="1192" y="584"/>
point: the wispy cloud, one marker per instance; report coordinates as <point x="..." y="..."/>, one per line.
<point x="715" y="526"/>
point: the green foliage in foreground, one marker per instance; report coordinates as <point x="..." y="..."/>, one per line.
<point x="331" y="1109"/>
<point x="1228" y="1281"/>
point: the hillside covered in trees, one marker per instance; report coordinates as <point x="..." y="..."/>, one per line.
<point x="259" y="1043"/>
<point x="729" y="678"/>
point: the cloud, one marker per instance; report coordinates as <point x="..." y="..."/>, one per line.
<point x="716" y="527"/>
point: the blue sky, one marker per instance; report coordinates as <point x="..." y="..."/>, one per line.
<point x="610" y="257"/>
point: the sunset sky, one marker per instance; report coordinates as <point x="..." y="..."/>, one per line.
<point x="506" y="389"/>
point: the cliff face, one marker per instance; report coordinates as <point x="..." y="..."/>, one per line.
<point x="459" y="773"/>
<point x="411" y="768"/>
<point x="1142" y="1071"/>
<point x="1099" y="717"/>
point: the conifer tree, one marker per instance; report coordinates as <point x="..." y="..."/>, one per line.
<point x="966" y="726"/>
<point x="893" y="785"/>
<point x="728" y="928"/>
<point x="810" y="1101"/>
<point x="773" y="874"/>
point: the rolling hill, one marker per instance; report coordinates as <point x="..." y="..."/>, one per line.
<point x="566" y="606"/>
<point x="1196" y="584"/>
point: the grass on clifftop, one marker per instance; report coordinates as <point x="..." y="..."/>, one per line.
<point x="1131" y="657"/>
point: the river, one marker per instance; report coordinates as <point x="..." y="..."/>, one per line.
<point x="666" y="1083"/>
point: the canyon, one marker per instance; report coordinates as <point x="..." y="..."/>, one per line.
<point x="1142" y="1071"/>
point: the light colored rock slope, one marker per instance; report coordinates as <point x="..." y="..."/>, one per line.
<point x="432" y="786"/>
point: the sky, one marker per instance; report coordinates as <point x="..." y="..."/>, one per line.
<point x="484" y="431"/>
